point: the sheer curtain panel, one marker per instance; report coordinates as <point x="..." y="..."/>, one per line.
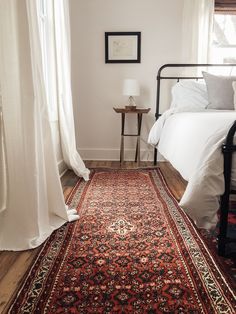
<point x="3" y="170"/>
<point x="197" y="30"/>
<point x="35" y="204"/>
<point x="63" y="73"/>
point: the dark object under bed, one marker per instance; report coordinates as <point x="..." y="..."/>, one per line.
<point x="228" y="149"/>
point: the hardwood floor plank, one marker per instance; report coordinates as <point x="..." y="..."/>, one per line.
<point x="7" y="258"/>
<point x="14" y="276"/>
<point x="117" y="164"/>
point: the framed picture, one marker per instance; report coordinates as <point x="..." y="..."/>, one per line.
<point x="123" y="47"/>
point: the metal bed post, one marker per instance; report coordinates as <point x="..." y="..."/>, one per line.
<point x="157" y="108"/>
<point x="227" y="149"/>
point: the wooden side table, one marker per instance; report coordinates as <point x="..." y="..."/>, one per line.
<point x="139" y="113"/>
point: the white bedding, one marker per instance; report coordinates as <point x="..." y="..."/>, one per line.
<point x="191" y="142"/>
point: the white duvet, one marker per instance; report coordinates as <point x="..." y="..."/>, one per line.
<point x="191" y="142"/>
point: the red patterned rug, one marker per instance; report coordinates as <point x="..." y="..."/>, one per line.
<point x="132" y="251"/>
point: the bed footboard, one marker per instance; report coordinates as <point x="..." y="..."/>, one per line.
<point x="228" y="149"/>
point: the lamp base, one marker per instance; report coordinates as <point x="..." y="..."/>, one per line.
<point x="131" y="104"/>
<point x="133" y="107"/>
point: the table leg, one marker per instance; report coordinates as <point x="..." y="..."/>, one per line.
<point x="122" y="138"/>
<point x="137" y="148"/>
<point x="137" y="153"/>
<point x="122" y="149"/>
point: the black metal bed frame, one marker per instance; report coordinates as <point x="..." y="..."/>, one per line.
<point x="227" y="149"/>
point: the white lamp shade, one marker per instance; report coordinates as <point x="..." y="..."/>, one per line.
<point x="131" y="87"/>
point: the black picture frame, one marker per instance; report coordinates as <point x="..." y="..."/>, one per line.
<point x="122" y="47"/>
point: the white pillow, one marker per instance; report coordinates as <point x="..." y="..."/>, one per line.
<point x="234" y="88"/>
<point x="189" y="94"/>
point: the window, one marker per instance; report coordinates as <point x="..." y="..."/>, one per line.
<point x="224" y="33"/>
<point x="225" y="6"/>
<point x="224" y="38"/>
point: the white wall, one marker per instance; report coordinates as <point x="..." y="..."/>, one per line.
<point x="97" y="87"/>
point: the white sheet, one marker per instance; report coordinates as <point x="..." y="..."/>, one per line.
<point x="192" y="141"/>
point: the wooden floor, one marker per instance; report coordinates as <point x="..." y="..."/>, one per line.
<point x="13" y="265"/>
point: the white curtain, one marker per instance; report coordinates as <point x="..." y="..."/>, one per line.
<point x="197" y="30"/>
<point x="60" y="37"/>
<point x="35" y="204"/>
<point x="3" y="171"/>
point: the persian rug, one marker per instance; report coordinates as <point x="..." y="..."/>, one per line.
<point x="133" y="250"/>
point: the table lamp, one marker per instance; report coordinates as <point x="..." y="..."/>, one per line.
<point x="131" y="88"/>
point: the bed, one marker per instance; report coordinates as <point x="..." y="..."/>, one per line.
<point x="196" y="136"/>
